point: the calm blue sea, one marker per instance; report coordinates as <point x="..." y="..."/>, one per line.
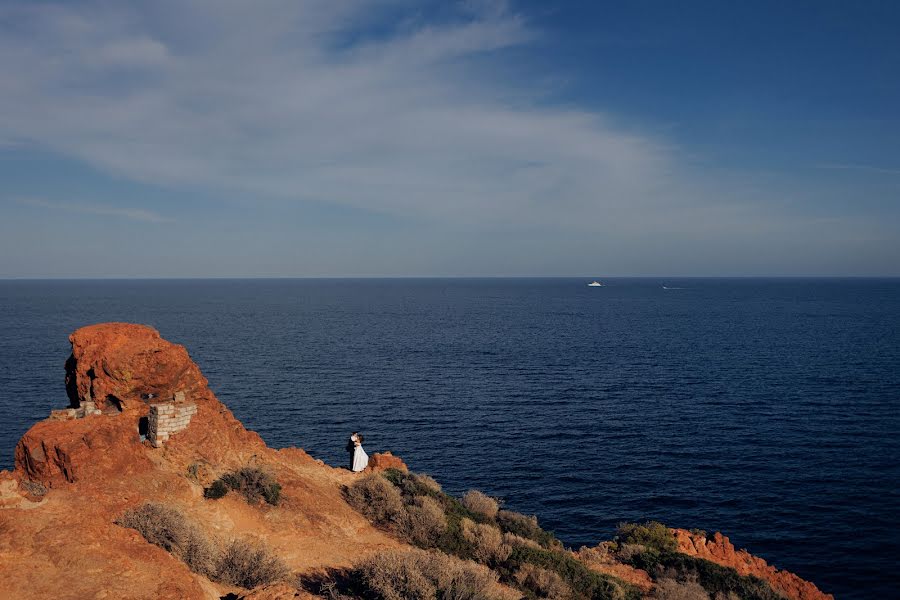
<point x="765" y="408"/>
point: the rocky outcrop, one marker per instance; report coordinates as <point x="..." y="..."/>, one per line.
<point x="75" y="476"/>
<point x="119" y="366"/>
<point x="720" y="550"/>
<point x="600" y="559"/>
<point x="384" y="461"/>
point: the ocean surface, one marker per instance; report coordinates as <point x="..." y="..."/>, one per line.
<point x="768" y="409"/>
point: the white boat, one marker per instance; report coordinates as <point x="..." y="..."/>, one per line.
<point x="595" y="284"/>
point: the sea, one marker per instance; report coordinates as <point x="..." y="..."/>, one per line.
<point x="768" y="409"/>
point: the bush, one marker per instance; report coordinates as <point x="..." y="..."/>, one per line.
<point x="480" y="503"/>
<point x="425" y="522"/>
<point x="513" y="540"/>
<point x="672" y="589"/>
<point x="650" y="534"/>
<point x="169" y="529"/>
<point x="543" y="583"/>
<point x="587" y="583"/>
<point x="422" y="575"/>
<point x="413" y="484"/>
<point x="378" y="500"/>
<point x="526" y="527"/>
<point x="248" y="565"/>
<point x="487" y="543"/>
<point x="427" y="482"/>
<point x="627" y="552"/>
<point x="217" y="490"/>
<point x="715" y="579"/>
<point x="240" y="563"/>
<point x="254" y="484"/>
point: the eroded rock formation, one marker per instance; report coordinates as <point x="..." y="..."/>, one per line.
<point x="118" y="366"/>
<point x="720" y="550"/>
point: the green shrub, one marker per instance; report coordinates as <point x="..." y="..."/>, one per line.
<point x="251" y="482"/>
<point x="378" y="500"/>
<point x="254" y="484"/>
<point x="248" y="565"/>
<point x="651" y="534"/>
<point x="714" y="578"/>
<point x="216" y="490"/>
<point x="587" y="583"/>
<point x="526" y="527"/>
<point x="481" y="503"/>
<point x="422" y="575"/>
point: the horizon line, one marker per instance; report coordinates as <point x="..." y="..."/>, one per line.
<point x="385" y="277"/>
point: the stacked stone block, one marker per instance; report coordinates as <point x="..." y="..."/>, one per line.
<point x="168" y="418"/>
<point x="66" y="414"/>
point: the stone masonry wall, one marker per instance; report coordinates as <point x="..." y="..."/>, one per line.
<point x="167" y="418"/>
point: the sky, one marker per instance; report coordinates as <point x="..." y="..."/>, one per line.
<point x="477" y="138"/>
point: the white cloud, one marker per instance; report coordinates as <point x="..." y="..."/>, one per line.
<point x="319" y="101"/>
<point x="132" y="214"/>
<point x="269" y="98"/>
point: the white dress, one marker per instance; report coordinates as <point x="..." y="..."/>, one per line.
<point x="360" y="459"/>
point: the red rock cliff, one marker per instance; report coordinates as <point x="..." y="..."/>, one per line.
<point x="721" y="551"/>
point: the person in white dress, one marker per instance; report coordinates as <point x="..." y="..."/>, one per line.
<point x="360" y="458"/>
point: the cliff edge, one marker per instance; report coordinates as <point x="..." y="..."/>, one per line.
<point x="142" y="427"/>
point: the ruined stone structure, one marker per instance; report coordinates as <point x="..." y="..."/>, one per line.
<point x="167" y="418"/>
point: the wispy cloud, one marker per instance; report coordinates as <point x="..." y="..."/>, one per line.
<point x="867" y="168"/>
<point x="132" y="214"/>
<point x="347" y="103"/>
<point x="270" y="99"/>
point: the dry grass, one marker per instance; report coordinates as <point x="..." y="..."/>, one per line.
<point x="480" y="503"/>
<point x="514" y="540"/>
<point x="526" y="527"/>
<point x="427" y="481"/>
<point x="425" y="522"/>
<point x="249" y="564"/>
<point x="34" y="488"/>
<point x="422" y="575"/>
<point x="240" y="563"/>
<point x="169" y="529"/>
<point x="378" y="500"/>
<point x="671" y="589"/>
<point x="543" y="583"/>
<point x="487" y="542"/>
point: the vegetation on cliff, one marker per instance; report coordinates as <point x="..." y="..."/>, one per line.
<point x="95" y="506"/>
<point x="519" y="553"/>
<point x="239" y="562"/>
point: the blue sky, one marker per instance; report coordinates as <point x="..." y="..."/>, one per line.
<point x="400" y="138"/>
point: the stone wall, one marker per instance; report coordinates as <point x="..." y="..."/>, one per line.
<point x="65" y="414"/>
<point x="168" y="418"/>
